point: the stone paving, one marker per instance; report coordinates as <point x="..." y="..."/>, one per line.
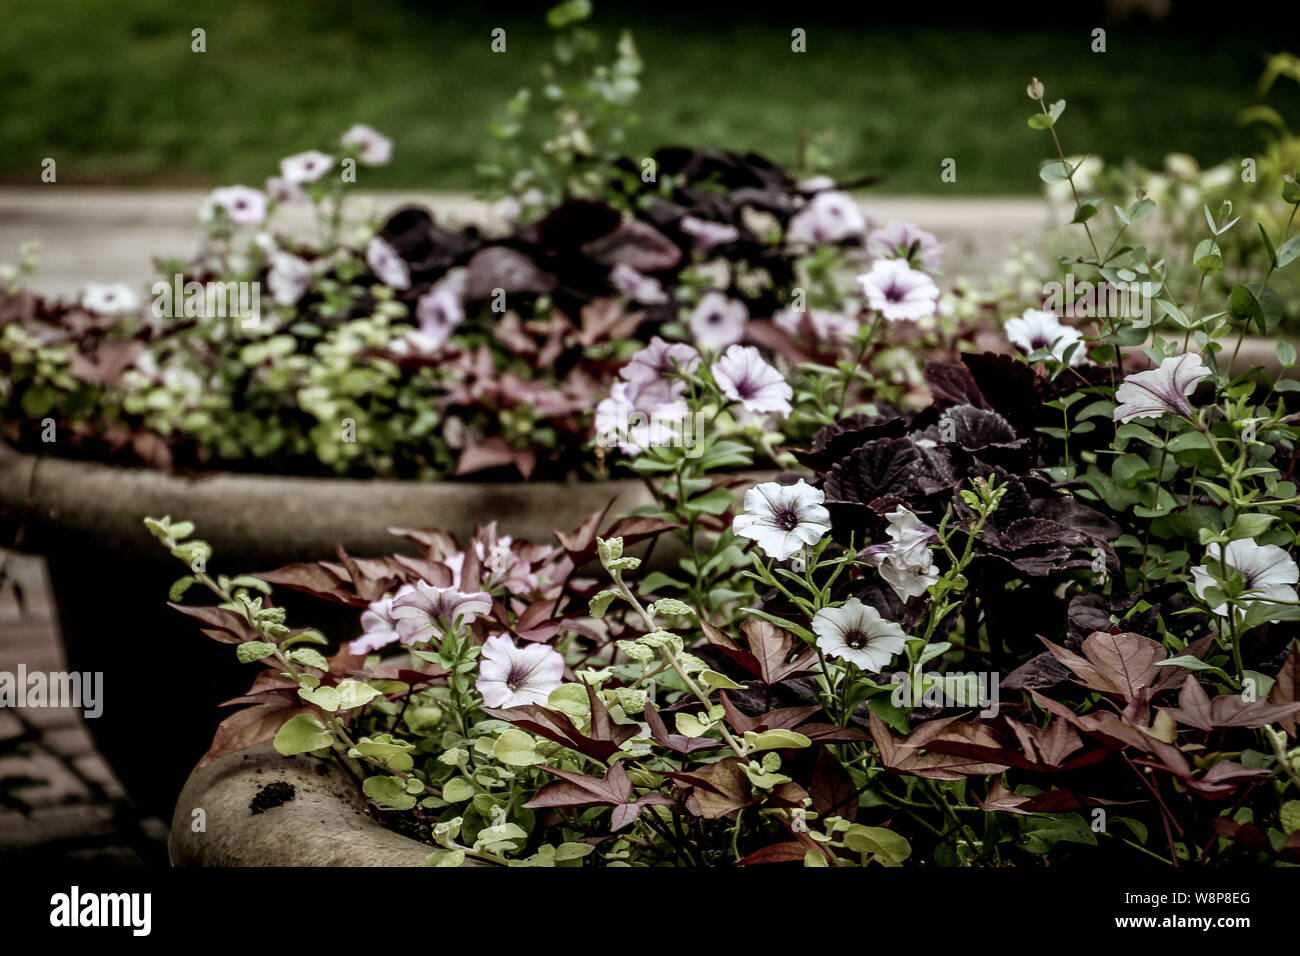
<point x="59" y="801"/>
<point x="100" y="235"/>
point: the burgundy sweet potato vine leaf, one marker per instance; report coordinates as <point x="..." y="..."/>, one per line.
<point x="1121" y="664"/>
<point x="1196" y="709"/>
<point x="768" y="652"/>
<point x="580" y="790"/>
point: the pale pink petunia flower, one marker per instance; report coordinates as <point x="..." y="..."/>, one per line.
<point x="378" y="624"/>
<point x="384" y="261"/>
<point x="744" y="376"/>
<point x="289" y="278"/>
<point x="441" y="310"/>
<point x="895" y="239"/>
<point x="897" y="291"/>
<point x="708" y="234"/>
<point x="372" y="148"/>
<point x="306" y="167"/>
<point x="109" y="299"/>
<point x="826" y="326"/>
<point x="242" y="205"/>
<point x="1271" y="574"/>
<point x="424" y="612"/>
<point x="660" y="359"/>
<point x="1161" y="390"/>
<point x="717" y="321"/>
<point x="632" y="285"/>
<point x="1037" y="329"/>
<point x="830" y="216"/>
<point x="905" y="563"/>
<point x="512" y="676"/>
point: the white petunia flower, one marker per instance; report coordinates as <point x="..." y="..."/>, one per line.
<point x="423" y="613"/>
<point x="109" y="299"/>
<point x="783" y="519"/>
<point x="830" y="216"/>
<point x="378" y="624"/>
<point x="1037" y="329"/>
<point x="895" y="241"/>
<point x="745" y="377"/>
<point x="1271" y="574"/>
<point x="718" y="321"/>
<point x="511" y="676"/>
<point x="242" y="205"/>
<point x="856" y="632"/>
<point x="897" y="291"/>
<point x="372" y="148"/>
<point x="305" y="167"/>
<point x="905" y="563"/>
<point x="1161" y="390"/>
<point x="384" y="261"/>
<point x="289" y="278"/>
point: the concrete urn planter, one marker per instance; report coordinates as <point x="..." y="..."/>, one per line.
<point x="257" y="808"/>
<point x="86" y="519"/>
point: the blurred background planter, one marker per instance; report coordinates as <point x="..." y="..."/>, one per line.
<point x="86" y="519"/>
<point x="246" y="820"/>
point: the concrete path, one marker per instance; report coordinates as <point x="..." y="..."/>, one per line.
<point x="100" y="235"/>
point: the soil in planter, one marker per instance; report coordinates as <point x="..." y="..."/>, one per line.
<point x="272" y="795"/>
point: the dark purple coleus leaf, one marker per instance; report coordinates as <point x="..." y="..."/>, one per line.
<point x="500" y="267"/>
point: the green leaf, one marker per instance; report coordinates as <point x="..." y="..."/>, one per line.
<point x="354" y="693"/>
<point x="888" y="847"/>
<point x="1289" y="252"/>
<point x="514" y="748"/>
<point x="1086" y="210"/>
<point x="457" y="790"/>
<point x="714" y="502"/>
<point x="600" y="603"/>
<point x="1054" y="172"/>
<point x="778" y="739"/>
<point x="712" y="681"/>
<point x="326" y="698"/>
<point x="671" y="606"/>
<point x="180" y="586"/>
<point x="1290" y="816"/>
<point x="310" y="657"/>
<point x="250" y="651"/>
<point x="1286" y="353"/>
<point x="302" y="734"/>
<point x="388" y="793"/>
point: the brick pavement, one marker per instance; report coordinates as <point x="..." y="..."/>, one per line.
<point x="59" y="800"/>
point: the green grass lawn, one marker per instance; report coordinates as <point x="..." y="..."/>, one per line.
<point x="113" y="93"/>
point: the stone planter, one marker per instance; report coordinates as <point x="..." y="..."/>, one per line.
<point x="87" y="520"/>
<point x="324" y="823"/>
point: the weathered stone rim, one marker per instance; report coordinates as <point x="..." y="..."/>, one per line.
<point x="326" y="823"/>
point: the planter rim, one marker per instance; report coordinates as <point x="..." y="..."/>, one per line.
<point x="326" y="823"/>
<point x="275" y="518"/>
